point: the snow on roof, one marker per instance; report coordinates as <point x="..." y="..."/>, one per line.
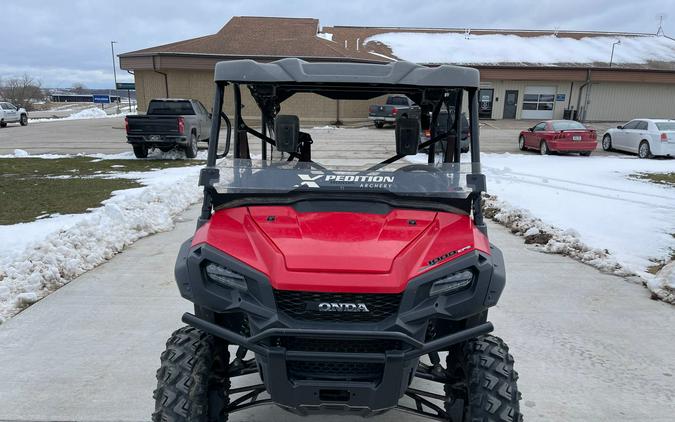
<point x="548" y="50"/>
<point x="325" y="35"/>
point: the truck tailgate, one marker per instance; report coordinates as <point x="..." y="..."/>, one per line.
<point x="380" y="111"/>
<point x="152" y="125"/>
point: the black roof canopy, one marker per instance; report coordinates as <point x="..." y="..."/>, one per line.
<point x="370" y="77"/>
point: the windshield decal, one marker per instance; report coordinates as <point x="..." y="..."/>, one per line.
<point x="309" y="181"/>
<point x="368" y="182"/>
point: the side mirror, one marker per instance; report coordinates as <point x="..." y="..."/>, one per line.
<point x="287" y="131"/>
<point x="531" y="129"/>
<point x="619" y="127"/>
<point x="407" y="135"/>
<point x="210" y="115"/>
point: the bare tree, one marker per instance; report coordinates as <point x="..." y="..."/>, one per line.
<point x="22" y="92"/>
<point x="79" y="88"/>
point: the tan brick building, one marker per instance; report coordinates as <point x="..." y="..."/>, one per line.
<point x="573" y="70"/>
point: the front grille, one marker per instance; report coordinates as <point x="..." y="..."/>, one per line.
<point x="332" y="370"/>
<point x="303" y="305"/>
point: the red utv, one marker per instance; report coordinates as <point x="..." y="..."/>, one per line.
<point x="563" y="136"/>
<point x="342" y="288"/>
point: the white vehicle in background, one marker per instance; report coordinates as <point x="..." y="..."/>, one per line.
<point x="11" y="114"/>
<point x="645" y="137"/>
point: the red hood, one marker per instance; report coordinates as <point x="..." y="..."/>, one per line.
<point x="340" y="241"/>
<point x="340" y="251"/>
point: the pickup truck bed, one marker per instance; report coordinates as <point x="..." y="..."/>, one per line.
<point x="397" y="105"/>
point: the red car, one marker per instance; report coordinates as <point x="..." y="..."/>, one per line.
<point x="559" y="136"/>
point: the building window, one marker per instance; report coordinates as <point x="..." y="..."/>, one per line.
<point x="538" y="101"/>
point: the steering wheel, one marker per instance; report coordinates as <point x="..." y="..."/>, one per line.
<point x="426" y="178"/>
<point x="419" y="167"/>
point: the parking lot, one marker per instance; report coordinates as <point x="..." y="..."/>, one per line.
<point x="107" y="136"/>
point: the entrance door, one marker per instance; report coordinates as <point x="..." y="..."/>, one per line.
<point x="510" y="104"/>
<point x="485" y="97"/>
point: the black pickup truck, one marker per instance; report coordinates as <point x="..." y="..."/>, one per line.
<point x="397" y="105"/>
<point x="169" y="123"/>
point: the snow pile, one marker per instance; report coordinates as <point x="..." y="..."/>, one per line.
<point x="589" y="208"/>
<point x="505" y="48"/>
<point x="88" y="113"/>
<point x="551" y="239"/>
<point x="663" y="285"/>
<point x="39" y="257"/>
<point x="156" y="154"/>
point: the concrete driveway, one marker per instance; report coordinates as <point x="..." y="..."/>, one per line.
<point x="588" y="346"/>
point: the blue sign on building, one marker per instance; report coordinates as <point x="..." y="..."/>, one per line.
<point x="101" y="99"/>
<point x="560" y="97"/>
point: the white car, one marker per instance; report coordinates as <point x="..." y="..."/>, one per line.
<point x="10" y="114"/>
<point x="646" y="137"/>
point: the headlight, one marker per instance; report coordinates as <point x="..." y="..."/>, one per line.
<point x="225" y="277"/>
<point x="451" y="283"/>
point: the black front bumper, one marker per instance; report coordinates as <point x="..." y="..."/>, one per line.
<point x="268" y="332"/>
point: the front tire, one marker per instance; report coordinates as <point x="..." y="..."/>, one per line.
<point x="23" y="121"/>
<point x="489" y="384"/>
<point x="379" y="125"/>
<point x="3" y="124"/>
<point x="192" y="385"/>
<point x="607" y="143"/>
<point x="644" y="151"/>
<point x="141" y="151"/>
<point x="521" y="143"/>
<point x="191" y="149"/>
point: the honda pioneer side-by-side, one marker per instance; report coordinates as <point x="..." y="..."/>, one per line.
<point x="328" y="288"/>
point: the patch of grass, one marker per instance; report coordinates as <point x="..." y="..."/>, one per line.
<point x="83" y="166"/>
<point x="659" y="178"/>
<point x="25" y="199"/>
<point x="32" y="187"/>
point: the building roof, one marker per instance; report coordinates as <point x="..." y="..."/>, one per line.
<point x="268" y="39"/>
<point x="250" y="36"/>
<point x="518" y="48"/>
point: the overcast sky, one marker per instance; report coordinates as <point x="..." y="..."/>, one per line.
<point x="63" y="42"/>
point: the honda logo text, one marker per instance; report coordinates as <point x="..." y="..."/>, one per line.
<point x="342" y="307"/>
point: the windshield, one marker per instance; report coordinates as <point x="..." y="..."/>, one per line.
<point x="568" y="125"/>
<point x="170" y="108"/>
<point x="669" y="126"/>
<point x="446" y="180"/>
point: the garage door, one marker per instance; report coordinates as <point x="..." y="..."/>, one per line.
<point x="538" y="102"/>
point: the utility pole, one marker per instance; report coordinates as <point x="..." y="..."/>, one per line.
<point x="112" y="50"/>
<point x="611" y="59"/>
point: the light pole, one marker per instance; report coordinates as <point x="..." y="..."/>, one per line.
<point x="112" y="50"/>
<point x="611" y="59"/>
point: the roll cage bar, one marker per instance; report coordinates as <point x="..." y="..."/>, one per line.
<point x="272" y="83"/>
